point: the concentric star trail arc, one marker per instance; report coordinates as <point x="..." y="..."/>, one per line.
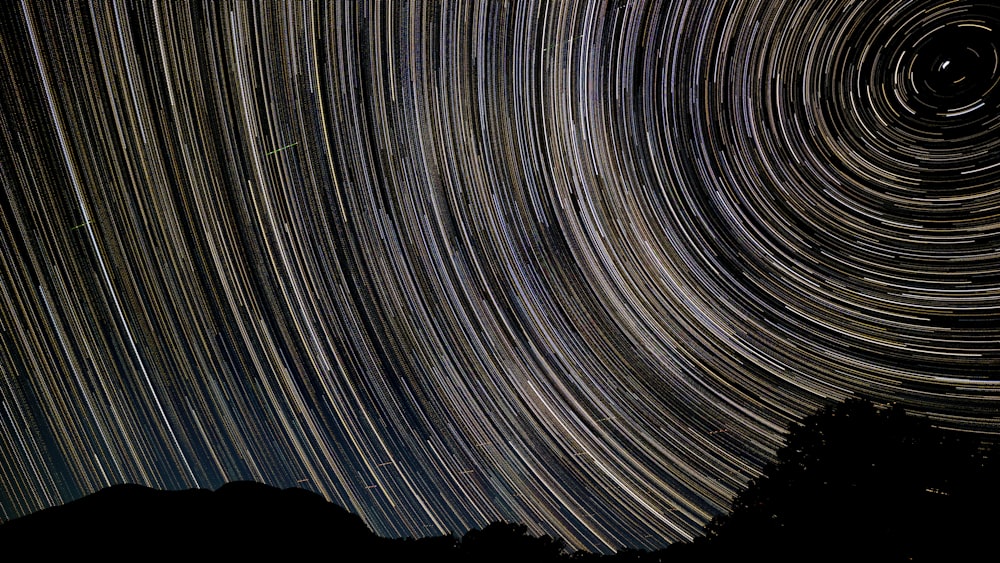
<point x="577" y="265"/>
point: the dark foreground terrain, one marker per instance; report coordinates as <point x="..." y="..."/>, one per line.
<point x="854" y="483"/>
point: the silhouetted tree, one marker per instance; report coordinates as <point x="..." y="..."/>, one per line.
<point x="503" y="541"/>
<point x="440" y="549"/>
<point x="857" y="481"/>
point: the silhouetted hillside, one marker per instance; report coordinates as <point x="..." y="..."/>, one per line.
<point x="853" y="483"/>
<point x="239" y="519"/>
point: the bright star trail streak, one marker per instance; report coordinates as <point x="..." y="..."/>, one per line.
<point x="572" y="264"/>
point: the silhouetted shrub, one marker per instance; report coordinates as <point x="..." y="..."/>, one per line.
<point x="502" y="541"/>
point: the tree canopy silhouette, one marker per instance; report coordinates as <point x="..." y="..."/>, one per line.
<point x="868" y="483"/>
<point x="503" y="541"/>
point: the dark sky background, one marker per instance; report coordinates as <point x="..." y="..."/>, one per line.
<point x="572" y="264"/>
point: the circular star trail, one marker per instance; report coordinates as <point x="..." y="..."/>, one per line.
<point x="572" y="264"/>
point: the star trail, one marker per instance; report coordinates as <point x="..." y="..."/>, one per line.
<point x="572" y="264"/>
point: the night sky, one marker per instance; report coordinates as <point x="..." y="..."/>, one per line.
<point x="572" y="264"/>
